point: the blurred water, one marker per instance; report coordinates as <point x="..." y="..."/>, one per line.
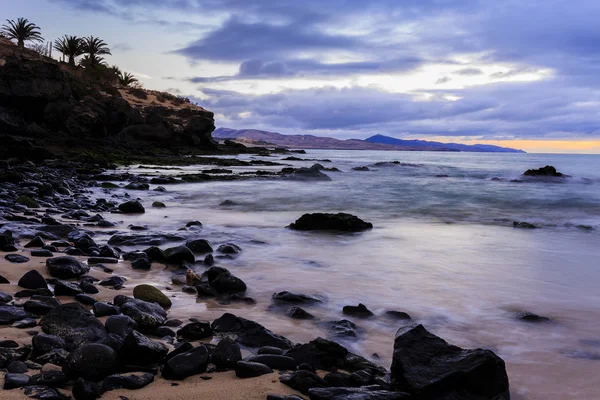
<point x="443" y="249"/>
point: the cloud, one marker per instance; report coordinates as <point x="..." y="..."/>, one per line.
<point x="287" y="41"/>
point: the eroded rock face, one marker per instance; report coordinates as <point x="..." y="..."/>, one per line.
<point x="44" y="100"/>
<point x="427" y="366"/>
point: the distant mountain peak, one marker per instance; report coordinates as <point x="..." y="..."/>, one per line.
<point x="375" y="142"/>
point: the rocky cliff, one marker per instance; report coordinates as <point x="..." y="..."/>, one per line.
<point x="48" y="108"/>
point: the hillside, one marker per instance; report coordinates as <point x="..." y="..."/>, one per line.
<point x="48" y="108"/>
<point x="377" y="142"/>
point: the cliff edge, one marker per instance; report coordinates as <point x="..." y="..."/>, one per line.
<point x="49" y="109"/>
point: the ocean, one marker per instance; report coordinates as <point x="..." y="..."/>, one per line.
<point x="443" y="249"/>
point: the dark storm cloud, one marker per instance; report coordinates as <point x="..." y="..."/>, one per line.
<point x="281" y="39"/>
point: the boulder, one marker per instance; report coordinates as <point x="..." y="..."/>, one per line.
<point x="229" y="248"/>
<point x="139" y="350"/>
<point x="547" y="171"/>
<point x="35" y="242"/>
<point x="103" y="309"/>
<point x="248" y="333"/>
<point x="223" y="281"/>
<point x="152" y="295"/>
<point x="299" y="313"/>
<point x="16" y="258"/>
<point x="40" y="305"/>
<point x="274" y="361"/>
<point x="178" y="255"/>
<point x="130" y="382"/>
<point x="121" y="325"/>
<point x="15" y="380"/>
<point x="295" y="298"/>
<point x="149" y="316"/>
<point x="188" y="363"/>
<point x="10" y="314"/>
<point x="92" y="362"/>
<point x="195" y="331"/>
<point x="199" y="246"/>
<point x="62" y="288"/>
<point x="303" y="380"/>
<point x="132" y="207"/>
<point x="426" y="366"/>
<point x="66" y="267"/>
<point x="226" y="354"/>
<point x="73" y="323"/>
<point x="360" y="311"/>
<point x="43" y="343"/>
<point x="85" y="390"/>
<point x="330" y="222"/>
<point x="33" y="280"/>
<point x="245" y="369"/>
<point x="397" y="315"/>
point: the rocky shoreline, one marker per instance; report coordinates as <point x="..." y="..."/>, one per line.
<point x="92" y="333"/>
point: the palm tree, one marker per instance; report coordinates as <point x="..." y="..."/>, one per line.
<point x="22" y="31"/>
<point x="127" y="79"/>
<point x="87" y="61"/>
<point x="116" y="70"/>
<point x="95" y="47"/>
<point x="69" y="46"/>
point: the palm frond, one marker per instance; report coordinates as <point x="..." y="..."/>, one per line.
<point x="22" y="31"/>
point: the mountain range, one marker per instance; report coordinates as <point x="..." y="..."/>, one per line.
<point x="376" y="142"/>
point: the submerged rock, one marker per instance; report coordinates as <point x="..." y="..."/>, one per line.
<point x="132" y="207"/>
<point x="523" y="225"/>
<point x="360" y="311"/>
<point x="426" y="366"/>
<point x="362" y="393"/>
<point x="331" y="222"/>
<point x="295" y="298"/>
<point x="531" y="317"/>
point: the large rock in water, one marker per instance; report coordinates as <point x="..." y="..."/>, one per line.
<point x="331" y="222"/>
<point x="73" y="323"/>
<point x="547" y="171"/>
<point x="426" y="366"/>
<point x="66" y="267"/>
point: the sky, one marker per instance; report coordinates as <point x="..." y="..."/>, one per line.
<point x="522" y="73"/>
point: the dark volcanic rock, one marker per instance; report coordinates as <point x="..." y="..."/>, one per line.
<point x="331" y="222"/>
<point x="84" y="390"/>
<point x="151" y="239"/>
<point x="531" y="317"/>
<point x="43" y="393"/>
<point x="223" y="281"/>
<point x="191" y="362"/>
<point x="178" y="255"/>
<point x="103" y="309"/>
<point x="148" y="315"/>
<point x="74" y="323"/>
<point x="35" y="242"/>
<point x="40" y="305"/>
<point x="302" y="381"/>
<point x="342" y="328"/>
<point x="274" y="361"/>
<point x="43" y="344"/>
<point x="299" y="313"/>
<point x="226" y="354"/>
<point x="10" y="314"/>
<point x="16" y="258"/>
<point x="132" y="207"/>
<point x="42" y="253"/>
<point x="295" y="298"/>
<point x="362" y="393"/>
<point x="245" y="369"/>
<point x="66" y="267"/>
<point x="121" y="325"/>
<point x="131" y="382"/>
<point x="140" y="350"/>
<point x="195" y="331"/>
<point x="33" y="280"/>
<point x="199" y="246"/>
<point x="427" y="366"/>
<point x="360" y="311"/>
<point x="523" y="225"/>
<point x="249" y="333"/>
<point x="229" y="248"/>
<point x="49" y="378"/>
<point x="15" y="380"/>
<point x="62" y="288"/>
<point x="397" y="315"/>
<point x="92" y="362"/>
<point x="547" y="171"/>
